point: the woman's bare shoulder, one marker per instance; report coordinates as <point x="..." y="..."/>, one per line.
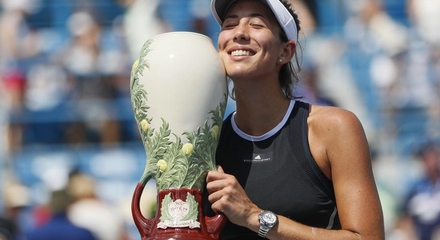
<point x="329" y="117"/>
<point x="336" y="138"/>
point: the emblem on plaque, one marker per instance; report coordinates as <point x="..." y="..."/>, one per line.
<point x="179" y="213"/>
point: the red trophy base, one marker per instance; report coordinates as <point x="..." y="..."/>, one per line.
<point x="179" y="216"/>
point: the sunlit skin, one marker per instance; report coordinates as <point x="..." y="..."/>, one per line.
<point x="336" y="138"/>
<point x="251" y="27"/>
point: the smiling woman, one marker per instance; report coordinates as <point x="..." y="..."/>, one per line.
<point x="287" y="169"/>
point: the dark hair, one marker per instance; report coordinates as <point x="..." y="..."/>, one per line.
<point x="288" y="76"/>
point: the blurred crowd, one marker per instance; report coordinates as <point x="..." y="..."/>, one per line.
<point x="64" y="80"/>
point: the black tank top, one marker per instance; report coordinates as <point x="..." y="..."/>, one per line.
<point x="278" y="173"/>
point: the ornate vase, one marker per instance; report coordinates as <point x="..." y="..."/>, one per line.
<point x="178" y="93"/>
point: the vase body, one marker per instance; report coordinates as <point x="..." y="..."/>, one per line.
<point x="178" y="93"/>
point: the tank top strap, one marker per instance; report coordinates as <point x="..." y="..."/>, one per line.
<point x="298" y="140"/>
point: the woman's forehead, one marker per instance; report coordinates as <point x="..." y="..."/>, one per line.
<point x="250" y="8"/>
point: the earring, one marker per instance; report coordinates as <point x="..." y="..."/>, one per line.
<point x="280" y="60"/>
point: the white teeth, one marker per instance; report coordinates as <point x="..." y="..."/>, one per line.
<point x="240" y="53"/>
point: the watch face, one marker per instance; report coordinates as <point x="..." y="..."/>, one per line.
<point x="269" y="218"/>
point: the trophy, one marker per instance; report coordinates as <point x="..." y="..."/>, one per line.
<point x="178" y="93"/>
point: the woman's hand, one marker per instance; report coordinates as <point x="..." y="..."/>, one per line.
<point x="227" y="196"/>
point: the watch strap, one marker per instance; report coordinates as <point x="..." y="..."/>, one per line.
<point x="262" y="232"/>
<point x="265" y="226"/>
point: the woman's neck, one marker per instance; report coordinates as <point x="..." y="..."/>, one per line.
<point x="260" y="113"/>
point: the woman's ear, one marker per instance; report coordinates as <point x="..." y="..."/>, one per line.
<point x="288" y="51"/>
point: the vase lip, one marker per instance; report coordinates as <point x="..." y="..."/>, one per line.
<point x="182" y="33"/>
<point x="184" y="189"/>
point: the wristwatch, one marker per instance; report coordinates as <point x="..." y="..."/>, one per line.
<point x="267" y="220"/>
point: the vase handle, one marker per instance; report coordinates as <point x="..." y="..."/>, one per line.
<point x="215" y="224"/>
<point x="143" y="224"/>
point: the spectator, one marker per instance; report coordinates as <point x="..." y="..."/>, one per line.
<point x="13" y="89"/>
<point x="7" y="229"/>
<point x="425" y="19"/>
<point x="17" y="39"/>
<point x="59" y="227"/>
<point x="421" y="210"/>
<point x="92" y="213"/>
<point x="82" y="58"/>
<point x="16" y="200"/>
<point x="200" y="13"/>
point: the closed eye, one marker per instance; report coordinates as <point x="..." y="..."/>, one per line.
<point x="228" y="26"/>
<point x="257" y="25"/>
<point x="230" y="21"/>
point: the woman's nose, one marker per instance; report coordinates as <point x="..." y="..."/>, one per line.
<point x="241" y="33"/>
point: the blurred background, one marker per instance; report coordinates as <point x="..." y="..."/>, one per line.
<point x="66" y="120"/>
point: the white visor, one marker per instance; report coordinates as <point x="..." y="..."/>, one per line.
<point x="285" y="19"/>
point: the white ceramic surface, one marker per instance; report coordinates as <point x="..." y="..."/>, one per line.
<point x="185" y="80"/>
<point x="178" y="85"/>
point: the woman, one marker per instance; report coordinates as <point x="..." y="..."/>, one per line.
<point x="287" y="169"/>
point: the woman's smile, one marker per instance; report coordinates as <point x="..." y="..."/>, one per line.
<point x="240" y="53"/>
